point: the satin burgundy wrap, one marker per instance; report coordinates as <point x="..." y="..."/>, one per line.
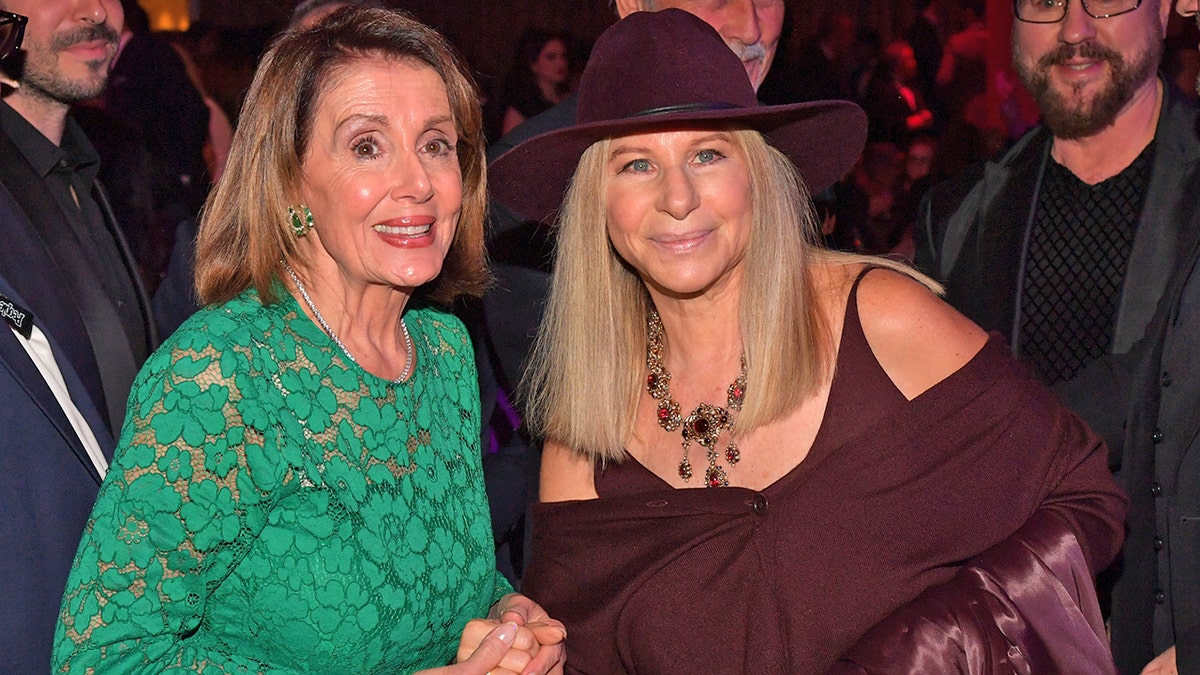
<point x="1027" y="605"/>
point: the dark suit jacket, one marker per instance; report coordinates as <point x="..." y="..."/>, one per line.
<point x="1119" y="395"/>
<point x="47" y="486"/>
<point x="1156" y="455"/>
<point x="973" y="231"/>
<point x="39" y="277"/>
<point x="47" y="481"/>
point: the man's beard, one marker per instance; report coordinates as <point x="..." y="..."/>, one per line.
<point x="1067" y="116"/>
<point x="40" y="76"/>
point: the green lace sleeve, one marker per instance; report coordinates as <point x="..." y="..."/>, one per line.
<point x="188" y="483"/>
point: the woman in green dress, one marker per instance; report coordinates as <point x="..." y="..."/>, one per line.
<point x="298" y="485"/>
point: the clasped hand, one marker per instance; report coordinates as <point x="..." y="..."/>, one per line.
<point x="517" y="638"/>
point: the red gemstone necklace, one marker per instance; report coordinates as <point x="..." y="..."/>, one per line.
<point x="705" y="423"/>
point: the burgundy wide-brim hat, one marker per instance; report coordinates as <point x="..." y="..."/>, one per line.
<point x="663" y="69"/>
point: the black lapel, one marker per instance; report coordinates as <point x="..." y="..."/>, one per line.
<point x="989" y="284"/>
<point x="1167" y="226"/>
<point x="131" y="266"/>
<point x="34" y="273"/>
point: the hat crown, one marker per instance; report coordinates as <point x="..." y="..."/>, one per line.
<point x="667" y="70"/>
<point x="658" y="62"/>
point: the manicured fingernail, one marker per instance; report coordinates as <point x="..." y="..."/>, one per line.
<point x="507" y="632"/>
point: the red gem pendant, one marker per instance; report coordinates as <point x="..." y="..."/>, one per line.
<point x="715" y="477"/>
<point x="685" y="470"/>
<point x="732" y="454"/>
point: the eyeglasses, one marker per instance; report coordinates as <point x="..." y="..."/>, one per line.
<point x="12" y="30"/>
<point x="1053" y="11"/>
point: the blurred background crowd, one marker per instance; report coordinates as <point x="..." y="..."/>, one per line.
<point x="933" y="75"/>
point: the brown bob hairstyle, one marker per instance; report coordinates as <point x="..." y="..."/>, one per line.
<point x="244" y="239"/>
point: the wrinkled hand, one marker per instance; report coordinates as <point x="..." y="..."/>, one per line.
<point x="487" y="657"/>
<point x="538" y="646"/>
<point x="1163" y="664"/>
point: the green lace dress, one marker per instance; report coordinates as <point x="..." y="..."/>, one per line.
<point x="274" y="508"/>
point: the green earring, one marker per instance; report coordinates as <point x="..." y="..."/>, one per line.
<point x="300" y="226"/>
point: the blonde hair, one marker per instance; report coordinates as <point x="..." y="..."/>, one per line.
<point x="588" y="364"/>
<point x="244" y="237"/>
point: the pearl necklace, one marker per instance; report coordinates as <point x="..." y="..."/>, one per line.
<point x="705" y="423"/>
<point x="408" y="343"/>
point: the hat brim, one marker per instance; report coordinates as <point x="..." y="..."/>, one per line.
<point x="822" y="138"/>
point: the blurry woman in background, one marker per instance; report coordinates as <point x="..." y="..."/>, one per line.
<point x="538" y="79"/>
<point x="298" y="484"/>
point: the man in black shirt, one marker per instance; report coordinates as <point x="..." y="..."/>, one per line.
<point x="1065" y="243"/>
<point x="50" y="168"/>
<point x="1076" y="244"/>
<point x="78" y="323"/>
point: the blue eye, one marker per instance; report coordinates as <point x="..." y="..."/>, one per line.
<point x="637" y="166"/>
<point x="706" y="156"/>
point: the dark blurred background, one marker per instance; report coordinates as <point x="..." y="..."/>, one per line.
<point x="486" y="31"/>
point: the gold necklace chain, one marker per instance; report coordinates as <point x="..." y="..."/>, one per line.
<point x="706" y="421"/>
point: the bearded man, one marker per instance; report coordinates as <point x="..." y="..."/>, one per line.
<point x="1153" y="389"/>
<point x="1066" y="242"/>
<point x="50" y="168"/>
<point x="70" y="293"/>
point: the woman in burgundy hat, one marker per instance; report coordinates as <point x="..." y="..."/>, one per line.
<point x="872" y="455"/>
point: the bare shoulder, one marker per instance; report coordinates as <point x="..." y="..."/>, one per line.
<point x="917" y="338"/>
<point x="566" y="475"/>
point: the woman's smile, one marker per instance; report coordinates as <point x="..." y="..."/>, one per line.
<point x="684" y="242"/>
<point x="407" y="232"/>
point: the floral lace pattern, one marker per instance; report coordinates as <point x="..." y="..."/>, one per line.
<point x="274" y="508"/>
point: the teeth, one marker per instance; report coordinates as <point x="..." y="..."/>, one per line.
<point x="412" y="231"/>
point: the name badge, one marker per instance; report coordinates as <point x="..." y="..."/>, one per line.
<point x="17" y="316"/>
